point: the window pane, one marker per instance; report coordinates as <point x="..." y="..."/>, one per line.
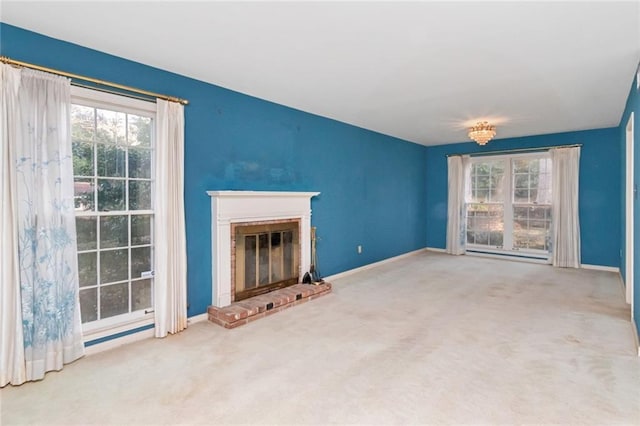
<point x="537" y="224"/>
<point x="87" y="269"/>
<point x="537" y="242"/>
<point x="139" y="130"/>
<point x="114" y="265"/>
<point x="111" y="194"/>
<point x="140" y="295"/>
<point x="521" y="224"/>
<point x="140" y="229"/>
<point x="495" y="193"/>
<point x="89" y="304"/>
<point x="539" y="212"/>
<point x="110" y="127"/>
<point x="114" y="232"/>
<point x="482" y="237"/>
<point x="139" y="163"/>
<point x="139" y="195"/>
<point x="86" y="232"/>
<point x="521" y="166"/>
<point x="482" y="182"/>
<point x="520" y="212"/>
<point x="495" y="238"/>
<point x="521" y="181"/>
<point x="521" y="196"/>
<point x="543" y="196"/>
<point x="481" y="196"/>
<point x="520" y="238"/>
<point x="471" y="237"/>
<point x="485" y="224"/>
<point x="111" y="161"/>
<point x="83" y="194"/>
<point x="82" y="123"/>
<point x="82" y="158"/>
<point x="114" y="300"/>
<point x="140" y="261"/>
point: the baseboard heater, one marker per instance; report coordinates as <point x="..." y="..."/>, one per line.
<point x="523" y="256"/>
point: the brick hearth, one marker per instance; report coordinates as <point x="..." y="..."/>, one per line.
<point x="247" y="310"/>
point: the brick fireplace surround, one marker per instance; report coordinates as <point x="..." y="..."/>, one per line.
<point x="229" y="208"/>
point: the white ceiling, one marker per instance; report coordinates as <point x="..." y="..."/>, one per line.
<point x="420" y="71"/>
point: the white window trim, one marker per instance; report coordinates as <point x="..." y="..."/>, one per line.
<point x="508" y="211"/>
<point x="98" y="99"/>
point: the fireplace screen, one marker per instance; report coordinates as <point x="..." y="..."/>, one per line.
<point x="266" y="258"/>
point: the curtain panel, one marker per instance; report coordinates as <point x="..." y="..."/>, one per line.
<point x="456" y="227"/>
<point x="564" y="215"/>
<point x="170" y="298"/>
<point x="12" y="366"/>
<point x="40" y="212"/>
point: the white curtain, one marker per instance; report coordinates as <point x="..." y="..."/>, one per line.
<point x="170" y="260"/>
<point x="38" y="190"/>
<point x="12" y="367"/>
<point x="566" y="224"/>
<point x="456" y="226"/>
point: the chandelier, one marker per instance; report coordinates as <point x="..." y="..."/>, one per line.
<point x="482" y="132"/>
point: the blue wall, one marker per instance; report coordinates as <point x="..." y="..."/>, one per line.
<point x="632" y="105"/>
<point x="372" y="185"/>
<point x="599" y="183"/>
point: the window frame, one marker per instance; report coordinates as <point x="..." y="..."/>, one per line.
<point x="508" y="203"/>
<point x="94" y="98"/>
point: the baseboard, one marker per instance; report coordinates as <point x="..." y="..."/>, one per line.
<point x="508" y="258"/>
<point x="634" y="329"/>
<point x="373" y="265"/>
<point x="438" y="250"/>
<point x="197" y="318"/>
<point x="600" y="268"/>
<point x="114" y="343"/>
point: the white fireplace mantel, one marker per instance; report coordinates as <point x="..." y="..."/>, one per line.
<point x="229" y="207"/>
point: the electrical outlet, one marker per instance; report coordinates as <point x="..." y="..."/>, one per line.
<point x="359" y="249"/>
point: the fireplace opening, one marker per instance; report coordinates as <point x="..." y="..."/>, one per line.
<point x="266" y="257"/>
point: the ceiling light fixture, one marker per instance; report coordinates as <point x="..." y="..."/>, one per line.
<point x="482" y="132"/>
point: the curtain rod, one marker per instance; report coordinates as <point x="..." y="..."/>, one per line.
<point x="515" y="151"/>
<point x="7" y="60"/>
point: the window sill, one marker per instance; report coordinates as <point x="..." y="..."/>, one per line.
<point x="99" y="331"/>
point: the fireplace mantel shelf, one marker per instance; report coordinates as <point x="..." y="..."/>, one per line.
<point x="255" y="194"/>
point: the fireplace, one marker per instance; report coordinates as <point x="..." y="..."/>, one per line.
<point x="265" y="257"/>
<point x="270" y="222"/>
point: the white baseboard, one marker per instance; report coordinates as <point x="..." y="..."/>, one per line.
<point x="600" y="268"/>
<point x="438" y="250"/>
<point x="509" y="258"/>
<point x="197" y="318"/>
<point x="530" y="260"/>
<point x="372" y="265"/>
<point x="634" y="329"/>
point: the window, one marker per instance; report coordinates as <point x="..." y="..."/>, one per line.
<point x="112" y="139"/>
<point x="485" y="211"/>
<point x="531" y="203"/>
<point x="509" y="203"/>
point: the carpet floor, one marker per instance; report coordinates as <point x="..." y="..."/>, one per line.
<point x="426" y="339"/>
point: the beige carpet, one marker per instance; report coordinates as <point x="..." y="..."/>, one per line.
<point x="429" y="339"/>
